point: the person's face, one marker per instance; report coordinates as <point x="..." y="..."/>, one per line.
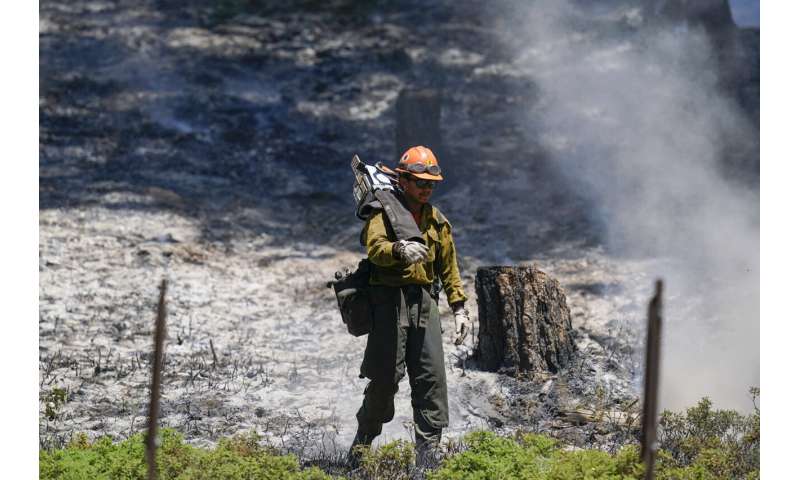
<point x="417" y="190"/>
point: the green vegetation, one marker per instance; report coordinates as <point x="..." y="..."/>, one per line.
<point x="394" y="461"/>
<point x="699" y="444"/>
<point x="240" y="457"/>
<point x="53" y="402"/>
<point x="724" y="443"/>
<point x="537" y="457"/>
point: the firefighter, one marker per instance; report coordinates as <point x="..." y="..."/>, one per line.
<point x="406" y="331"/>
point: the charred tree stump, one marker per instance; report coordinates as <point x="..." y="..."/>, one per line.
<point x="525" y="324"/>
<point x="418" y="113"/>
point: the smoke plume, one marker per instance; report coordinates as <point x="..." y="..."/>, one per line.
<point x="635" y="119"/>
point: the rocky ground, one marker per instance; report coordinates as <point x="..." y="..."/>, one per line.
<point x="210" y="144"/>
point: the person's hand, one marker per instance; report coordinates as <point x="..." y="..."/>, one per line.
<point x="409" y="252"/>
<point x="462" y="323"/>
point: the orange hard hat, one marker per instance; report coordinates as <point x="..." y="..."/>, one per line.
<point x="420" y="162"/>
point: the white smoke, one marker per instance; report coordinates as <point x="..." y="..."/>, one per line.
<point x="636" y="120"/>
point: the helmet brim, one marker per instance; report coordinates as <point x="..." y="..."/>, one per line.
<point x="421" y="176"/>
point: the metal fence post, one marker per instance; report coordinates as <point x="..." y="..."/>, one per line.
<point x="155" y="386"/>
<point x="653" y="359"/>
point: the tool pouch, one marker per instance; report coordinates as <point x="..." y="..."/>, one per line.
<point x="352" y="295"/>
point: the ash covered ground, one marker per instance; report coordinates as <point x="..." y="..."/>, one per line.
<point x="209" y="144"/>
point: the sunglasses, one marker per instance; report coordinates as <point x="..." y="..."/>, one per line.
<point x="425" y="183"/>
<point x="420" y="168"/>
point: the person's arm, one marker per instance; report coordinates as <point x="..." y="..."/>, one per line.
<point x="451" y="281"/>
<point x="379" y="246"/>
<point x="448" y="269"/>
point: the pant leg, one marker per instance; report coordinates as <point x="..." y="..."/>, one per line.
<point x="384" y="362"/>
<point x="376" y="409"/>
<point x="427" y="439"/>
<point x="425" y="361"/>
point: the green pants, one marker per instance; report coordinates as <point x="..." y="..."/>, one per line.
<point x="406" y="333"/>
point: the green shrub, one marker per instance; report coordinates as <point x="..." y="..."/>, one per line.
<point x="723" y="443"/>
<point x="534" y="457"/>
<point x="491" y="457"/>
<point x="596" y="464"/>
<point x="240" y="457"/>
<point x="395" y="461"/>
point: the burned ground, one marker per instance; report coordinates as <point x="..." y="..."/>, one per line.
<point x="209" y="144"/>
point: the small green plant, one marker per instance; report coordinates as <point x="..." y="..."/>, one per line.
<point x="395" y="461"/>
<point x="53" y="402"/>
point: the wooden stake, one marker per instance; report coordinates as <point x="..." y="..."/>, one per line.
<point x="653" y="358"/>
<point x="213" y="352"/>
<point x="155" y="386"/>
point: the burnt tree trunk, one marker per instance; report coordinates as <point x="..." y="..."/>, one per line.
<point x="714" y="17"/>
<point x="418" y="113"/>
<point x="525" y="324"/>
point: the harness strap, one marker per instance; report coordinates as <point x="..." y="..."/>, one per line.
<point x="401" y="221"/>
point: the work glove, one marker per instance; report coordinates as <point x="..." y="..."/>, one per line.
<point x="462" y="322"/>
<point x="409" y="252"/>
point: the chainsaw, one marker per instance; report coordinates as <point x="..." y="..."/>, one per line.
<point x="369" y="179"/>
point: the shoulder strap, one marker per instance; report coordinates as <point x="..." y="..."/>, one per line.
<point x="401" y="220"/>
<point x="367" y="206"/>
